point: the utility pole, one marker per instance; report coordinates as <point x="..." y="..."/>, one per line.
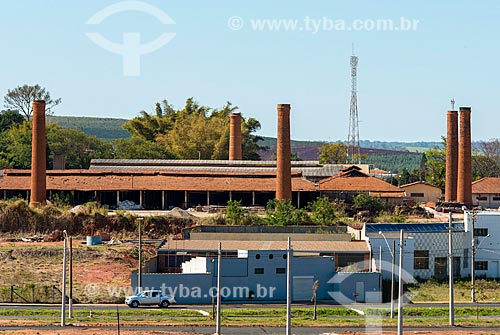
<point x="400" y="297"/>
<point x="392" y="276"/>
<point x="219" y="258"/>
<point x="70" y="310"/>
<point x="289" y="288"/>
<point x="393" y="265"/>
<point x="380" y="259"/>
<point x="63" y="300"/>
<point x="450" y="271"/>
<point x="139" y="271"/>
<point x="473" y="260"/>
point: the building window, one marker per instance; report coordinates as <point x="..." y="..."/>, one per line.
<point x="496" y="198"/>
<point x="440" y="266"/>
<point x="280" y="270"/>
<point x="271" y="256"/>
<point x="466" y="258"/>
<point x="257" y="256"/>
<point x="481" y="265"/>
<point x="259" y="271"/>
<point x="417" y="195"/>
<point x="481" y="198"/>
<point x="480" y="231"/>
<point x="421" y="259"/>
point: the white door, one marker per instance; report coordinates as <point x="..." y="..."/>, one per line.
<point x="360" y="291"/>
<point x="302" y="288"/>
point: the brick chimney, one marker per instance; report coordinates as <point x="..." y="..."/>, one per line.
<point x="451" y="157"/>
<point x="283" y="153"/>
<point x="235" y="137"/>
<point x="464" y="182"/>
<point x="38" y="158"/>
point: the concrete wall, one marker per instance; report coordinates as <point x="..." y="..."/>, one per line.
<point x="430" y="193"/>
<point x="267" y="237"/>
<point x="378" y="241"/>
<point x="487" y="200"/>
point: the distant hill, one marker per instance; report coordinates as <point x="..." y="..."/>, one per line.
<point x="103" y="128"/>
<point x="391" y="156"/>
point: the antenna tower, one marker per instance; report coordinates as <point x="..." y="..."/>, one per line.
<point x="353" y="149"/>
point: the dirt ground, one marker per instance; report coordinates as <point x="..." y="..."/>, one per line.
<point x="92" y="331"/>
<point x="95" y="331"/>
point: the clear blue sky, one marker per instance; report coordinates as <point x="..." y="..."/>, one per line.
<point x="405" y="78"/>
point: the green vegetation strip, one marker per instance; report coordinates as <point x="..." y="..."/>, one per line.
<point x="322" y="312"/>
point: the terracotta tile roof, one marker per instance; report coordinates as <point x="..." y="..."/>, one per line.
<point x="487" y="185"/>
<point x="325" y="246"/>
<point x="86" y="180"/>
<point x="354" y="180"/>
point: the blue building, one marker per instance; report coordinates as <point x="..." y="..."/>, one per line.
<point x="255" y="271"/>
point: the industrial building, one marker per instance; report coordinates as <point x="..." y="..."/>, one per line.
<point x="164" y="184"/>
<point x="253" y="268"/>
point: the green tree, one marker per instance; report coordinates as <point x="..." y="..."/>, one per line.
<point x="22" y="97"/>
<point x="8" y="118"/>
<point x="364" y="201"/>
<point x="139" y="148"/>
<point x="333" y="153"/>
<point x="234" y="212"/>
<point x="16" y="146"/>
<point x="322" y="211"/>
<point x="435" y="166"/>
<point x="78" y="147"/>
<point x="283" y="213"/>
<point x="486" y="160"/>
<point x="195" y="131"/>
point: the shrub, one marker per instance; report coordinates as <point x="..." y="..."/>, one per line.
<point x="364" y="201"/>
<point x="234" y="212"/>
<point x="283" y="213"/>
<point x="322" y="211"/>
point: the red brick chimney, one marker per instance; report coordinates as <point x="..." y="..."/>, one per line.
<point x="283" y="153"/>
<point x="38" y="158"/>
<point x="235" y="137"/>
<point x="464" y="183"/>
<point x="451" y="157"/>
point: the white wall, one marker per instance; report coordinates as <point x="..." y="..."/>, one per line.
<point x="488" y="248"/>
<point x="377" y="241"/>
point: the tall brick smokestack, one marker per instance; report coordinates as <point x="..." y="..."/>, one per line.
<point x="450" y="193"/>
<point x="38" y="158"/>
<point x="464" y="183"/>
<point x="235" y="137"/>
<point x="283" y="153"/>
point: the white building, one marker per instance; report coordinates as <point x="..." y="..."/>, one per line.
<point x="486" y="227"/>
<point x="425" y="250"/>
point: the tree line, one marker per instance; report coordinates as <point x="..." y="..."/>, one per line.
<point x="192" y="132"/>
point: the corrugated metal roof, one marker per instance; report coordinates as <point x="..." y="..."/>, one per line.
<point x="317" y="246"/>
<point x="308" y="168"/>
<point x="412" y="227"/>
<point x="193" y="162"/>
